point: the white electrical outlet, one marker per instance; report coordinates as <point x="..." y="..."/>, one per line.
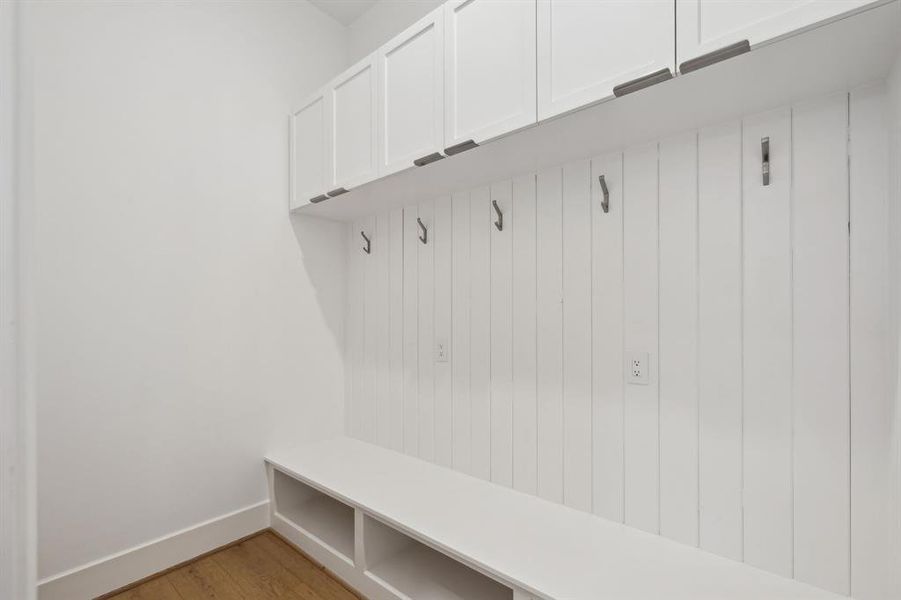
<point x="440" y="352"/>
<point x="637" y="368"/>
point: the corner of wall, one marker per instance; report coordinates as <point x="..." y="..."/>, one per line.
<point x="18" y="554"/>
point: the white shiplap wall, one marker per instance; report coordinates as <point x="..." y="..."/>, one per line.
<point x="761" y="319"/>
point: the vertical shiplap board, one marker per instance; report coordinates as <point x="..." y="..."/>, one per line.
<point x="411" y="330"/>
<point x="502" y="336"/>
<point x="462" y="419"/>
<point x="443" y="376"/>
<point x="525" y="408"/>
<point x="607" y="339"/>
<point x="678" y="364"/>
<point x="348" y="336"/>
<point x="549" y="306"/>
<point x="382" y="329"/>
<point x="396" y="326"/>
<point x="767" y="344"/>
<point x="355" y="289"/>
<point x="871" y="405"/>
<point x="480" y="221"/>
<point x="640" y="321"/>
<point x="427" y="333"/>
<point x="577" y="335"/>
<point x="719" y="340"/>
<point x="821" y="344"/>
<point x="370" y="334"/>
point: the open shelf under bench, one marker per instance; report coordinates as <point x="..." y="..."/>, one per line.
<point x="414" y="571"/>
<point x="328" y="520"/>
<point x="420" y="526"/>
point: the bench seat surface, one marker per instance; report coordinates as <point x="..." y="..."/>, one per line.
<point x="547" y="549"/>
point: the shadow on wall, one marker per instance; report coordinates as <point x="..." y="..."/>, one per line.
<point x="324" y="255"/>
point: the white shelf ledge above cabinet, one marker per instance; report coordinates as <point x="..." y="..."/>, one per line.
<point x="839" y="55"/>
<point x="505" y="540"/>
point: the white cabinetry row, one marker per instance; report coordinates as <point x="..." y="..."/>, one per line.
<point x="475" y="70"/>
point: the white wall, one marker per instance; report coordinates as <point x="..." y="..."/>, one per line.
<point x="184" y="323"/>
<point x="894" y="353"/>
<point x="382" y="22"/>
<point x="763" y="432"/>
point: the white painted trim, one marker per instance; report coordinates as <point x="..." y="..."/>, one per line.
<point x="120" y="569"/>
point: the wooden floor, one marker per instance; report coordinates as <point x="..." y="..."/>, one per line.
<point x="259" y="568"/>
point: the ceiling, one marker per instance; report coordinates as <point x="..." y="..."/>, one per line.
<point x="344" y="11"/>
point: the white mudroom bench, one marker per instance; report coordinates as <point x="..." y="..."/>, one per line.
<point x="396" y="527"/>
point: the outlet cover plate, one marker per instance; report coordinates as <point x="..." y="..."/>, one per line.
<point x="441" y="352"/>
<point x="637" y="367"/>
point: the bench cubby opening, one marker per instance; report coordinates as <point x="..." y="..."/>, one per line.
<point x="413" y="571"/>
<point x="329" y="521"/>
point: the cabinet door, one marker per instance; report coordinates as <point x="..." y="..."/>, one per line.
<point x="354" y="131"/>
<point x="490" y="68"/>
<point x="708" y="25"/>
<point x="310" y="150"/>
<point x="587" y="48"/>
<point x="411" y="94"/>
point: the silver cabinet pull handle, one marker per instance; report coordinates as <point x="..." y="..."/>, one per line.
<point x="765" y="155"/>
<point x="336" y="192"/>
<point x="642" y="82"/>
<point x="368" y="247"/>
<point x="461" y="147"/>
<point x="705" y="60"/>
<point x="428" y="159"/>
<point x="318" y="198"/>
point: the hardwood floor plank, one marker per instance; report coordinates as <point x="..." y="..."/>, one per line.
<point x="233" y="562"/>
<point x="281" y="580"/>
<point x="204" y="579"/>
<point x="262" y="567"/>
<point x="155" y="589"/>
<point x="326" y="587"/>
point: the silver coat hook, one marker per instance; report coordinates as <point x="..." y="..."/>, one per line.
<point x="605" y="203"/>
<point x="368" y="247"/>
<point x="765" y="152"/>
<point x="424" y="236"/>
<point x="500" y="216"/>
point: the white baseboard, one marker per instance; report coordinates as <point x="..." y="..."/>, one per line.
<point x="120" y="569"/>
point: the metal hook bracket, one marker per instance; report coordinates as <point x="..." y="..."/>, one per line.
<point x="424" y="236"/>
<point x="765" y="152"/>
<point x="500" y="216"/>
<point x="605" y="203"/>
<point x="368" y="247"/>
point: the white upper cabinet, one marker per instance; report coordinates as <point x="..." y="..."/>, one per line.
<point x="585" y="49"/>
<point x="489" y="67"/>
<point x="411" y="95"/>
<point x="354" y="132"/>
<point x="310" y="151"/>
<point x="708" y="25"/>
